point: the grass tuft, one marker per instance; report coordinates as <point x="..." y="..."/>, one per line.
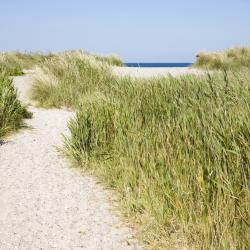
<point x="13" y="63"/>
<point x="112" y="60"/>
<point x="230" y="59"/>
<point x="68" y="79"/>
<point x="12" y="112"/>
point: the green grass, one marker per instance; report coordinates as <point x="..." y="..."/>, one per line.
<point x="112" y="60"/>
<point x="10" y="65"/>
<point x="13" y="63"/>
<point x="68" y="79"/>
<point x="178" y="153"/>
<point x="176" y="150"/>
<point x="12" y="111"/>
<point x="230" y="59"/>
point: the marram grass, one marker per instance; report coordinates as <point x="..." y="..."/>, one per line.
<point x="12" y="112"/>
<point x="177" y="151"/>
<point x="112" y="60"/>
<point x="234" y="58"/>
<point x="69" y="79"/>
<point x="13" y="63"/>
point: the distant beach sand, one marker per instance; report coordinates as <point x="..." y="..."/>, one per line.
<point x="153" y="72"/>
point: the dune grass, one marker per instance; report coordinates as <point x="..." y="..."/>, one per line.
<point x="178" y="153"/>
<point x="234" y="58"/>
<point x="13" y="63"/>
<point x="112" y="60"/>
<point x="12" y="112"/>
<point x="176" y="150"/>
<point x="68" y="79"/>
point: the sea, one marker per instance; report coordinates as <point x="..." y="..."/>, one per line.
<point x="157" y="65"/>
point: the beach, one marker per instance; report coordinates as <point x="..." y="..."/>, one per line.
<point x="145" y="72"/>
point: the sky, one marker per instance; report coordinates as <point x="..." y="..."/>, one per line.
<point x="136" y="30"/>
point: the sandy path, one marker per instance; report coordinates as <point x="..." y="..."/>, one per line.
<point x="45" y="204"/>
<point x="153" y="72"/>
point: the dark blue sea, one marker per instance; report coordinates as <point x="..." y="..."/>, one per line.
<point x="158" y="65"/>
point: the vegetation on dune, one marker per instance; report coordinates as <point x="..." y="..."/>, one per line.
<point x="229" y="59"/>
<point x="178" y="153"/>
<point x="69" y="79"/>
<point x="12" y="111"/>
<point x="9" y="64"/>
<point x="54" y="69"/>
<point x="176" y="149"/>
<point x="112" y="60"/>
<point x="13" y="63"/>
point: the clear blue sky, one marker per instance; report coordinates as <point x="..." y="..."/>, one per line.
<point x="137" y="30"/>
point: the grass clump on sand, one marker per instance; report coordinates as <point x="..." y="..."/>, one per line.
<point x="230" y="59"/>
<point x="112" y="60"/>
<point x="176" y="149"/>
<point x="69" y="79"/>
<point x="13" y="63"/>
<point x="12" y="111"/>
<point x="9" y="64"/>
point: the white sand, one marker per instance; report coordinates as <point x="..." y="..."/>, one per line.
<point x="153" y="72"/>
<point x="45" y="204"/>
